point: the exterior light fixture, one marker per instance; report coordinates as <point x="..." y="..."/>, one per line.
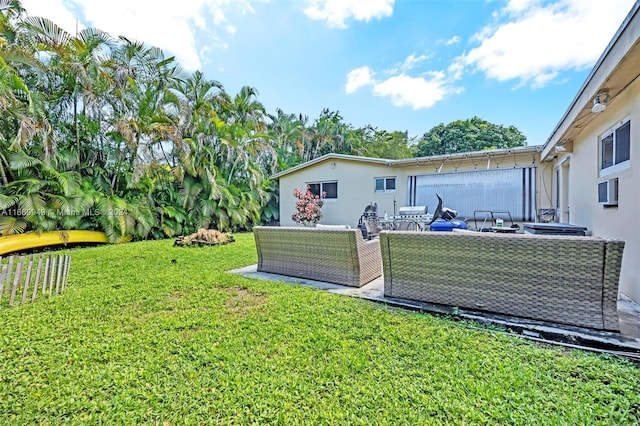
<point x="600" y="102"/>
<point x="563" y="147"/>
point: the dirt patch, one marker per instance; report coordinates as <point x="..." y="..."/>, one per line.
<point x="243" y="300"/>
<point x="174" y="297"/>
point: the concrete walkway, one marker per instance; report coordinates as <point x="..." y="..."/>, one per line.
<point x="626" y="343"/>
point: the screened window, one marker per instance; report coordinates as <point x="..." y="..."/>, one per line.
<point x="330" y="189"/>
<point x="385" y="184"/>
<point x="615" y="146"/>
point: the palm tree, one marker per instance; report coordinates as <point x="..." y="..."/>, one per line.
<point x="91" y="125"/>
<point x="286" y="131"/>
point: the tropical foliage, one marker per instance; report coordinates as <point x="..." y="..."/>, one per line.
<point x="101" y="132"/>
<point x="105" y="133"/>
<point x="474" y="134"/>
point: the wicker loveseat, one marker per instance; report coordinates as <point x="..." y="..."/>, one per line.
<point x="559" y="279"/>
<point x="333" y="255"/>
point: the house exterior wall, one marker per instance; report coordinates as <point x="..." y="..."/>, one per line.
<point x="356" y="182"/>
<point x="356" y="190"/>
<point x="609" y="222"/>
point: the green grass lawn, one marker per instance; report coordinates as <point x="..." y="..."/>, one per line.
<point x="139" y="339"/>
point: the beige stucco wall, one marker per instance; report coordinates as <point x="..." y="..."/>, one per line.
<point x="356" y="182"/>
<point x="356" y="189"/>
<point x="620" y="222"/>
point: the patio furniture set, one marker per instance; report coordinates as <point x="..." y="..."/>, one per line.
<point x="559" y="279"/>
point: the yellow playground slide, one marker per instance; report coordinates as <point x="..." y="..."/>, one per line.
<point x="13" y="243"/>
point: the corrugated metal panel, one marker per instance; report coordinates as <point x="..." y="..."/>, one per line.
<point x="511" y="190"/>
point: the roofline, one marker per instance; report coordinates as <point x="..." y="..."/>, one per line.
<point x="331" y="156"/>
<point x="594" y="70"/>
<point x="473" y="154"/>
<point x="412" y="161"/>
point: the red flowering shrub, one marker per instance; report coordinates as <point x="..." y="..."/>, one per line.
<point x="307" y="207"/>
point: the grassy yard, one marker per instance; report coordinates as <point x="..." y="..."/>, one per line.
<point x="151" y="334"/>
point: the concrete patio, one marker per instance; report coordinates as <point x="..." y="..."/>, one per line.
<point x="626" y="343"/>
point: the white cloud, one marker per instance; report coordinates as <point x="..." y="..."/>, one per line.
<point x="534" y="40"/>
<point x="412" y="60"/>
<point x="166" y="24"/>
<point x="416" y="92"/>
<point x="336" y="12"/>
<point x="419" y="92"/>
<point x="453" y="40"/>
<point x="358" y="78"/>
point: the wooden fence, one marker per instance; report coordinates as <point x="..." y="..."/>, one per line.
<point x="23" y="278"/>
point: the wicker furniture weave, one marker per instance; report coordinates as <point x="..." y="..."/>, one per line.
<point x="338" y="256"/>
<point x="560" y="279"/>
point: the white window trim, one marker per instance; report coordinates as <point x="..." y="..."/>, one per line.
<point x="321" y="183"/>
<point x="378" y="191"/>
<point x="616" y="167"/>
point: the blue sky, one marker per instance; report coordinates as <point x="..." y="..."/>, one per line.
<point x="403" y="65"/>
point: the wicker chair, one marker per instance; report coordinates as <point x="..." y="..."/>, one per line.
<point x="559" y="279"/>
<point x="338" y="256"/>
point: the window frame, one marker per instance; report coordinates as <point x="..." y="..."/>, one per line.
<point x="611" y="136"/>
<point x="384" y="180"/>
<point x="321" y="185"/>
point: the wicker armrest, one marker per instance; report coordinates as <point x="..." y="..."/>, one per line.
<point x="370" y="260"/>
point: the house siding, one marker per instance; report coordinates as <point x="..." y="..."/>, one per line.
<point x="356" y="190"/>
<point x="619" y="222"/>
<point x="356" y="181"/>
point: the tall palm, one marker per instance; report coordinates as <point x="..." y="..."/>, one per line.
<point x="286" y="131"/>
<point x="144" y="116"/>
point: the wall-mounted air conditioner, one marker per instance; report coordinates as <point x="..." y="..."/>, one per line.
<point x="608" y="192"/>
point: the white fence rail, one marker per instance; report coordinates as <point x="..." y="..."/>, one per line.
<point x="24" y="278"/>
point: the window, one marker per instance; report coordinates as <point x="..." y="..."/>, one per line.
<point x="385" y="184"/>
<point x="615" y="148"/>
<point x="329" y="188"/>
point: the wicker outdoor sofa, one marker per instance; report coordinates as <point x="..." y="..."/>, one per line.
<point x="558" y="279"/>
<point x="333" y="255"/>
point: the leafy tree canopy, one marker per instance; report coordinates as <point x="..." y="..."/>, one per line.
<point x="473" y="134"/>
<point x="99" y="132"/>
<point x="384" y="144"/>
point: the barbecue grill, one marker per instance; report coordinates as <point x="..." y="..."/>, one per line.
<point x="411" y="218"/>
<point x="413" y="212"/>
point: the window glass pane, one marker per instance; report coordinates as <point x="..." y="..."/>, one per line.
<point x="607" y="152"/>
<point x="623" y="142"/>
<point x="379" y="184"/>
<point x="391" y="184"/>
<point x="331" y="189"/>
<point x="603" y="192"/>
<point x="315" y="188"/>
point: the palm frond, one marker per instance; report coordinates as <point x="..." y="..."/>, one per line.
<point x="19" y="160"/>
<point x="69" y="182"/>
<point x="7" y="201"/>
<point x="47" y="31"/>
<point x="32" y="205"/>
<point x="10" y="225"/>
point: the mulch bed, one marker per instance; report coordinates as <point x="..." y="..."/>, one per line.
<point x="200" y="243"/>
